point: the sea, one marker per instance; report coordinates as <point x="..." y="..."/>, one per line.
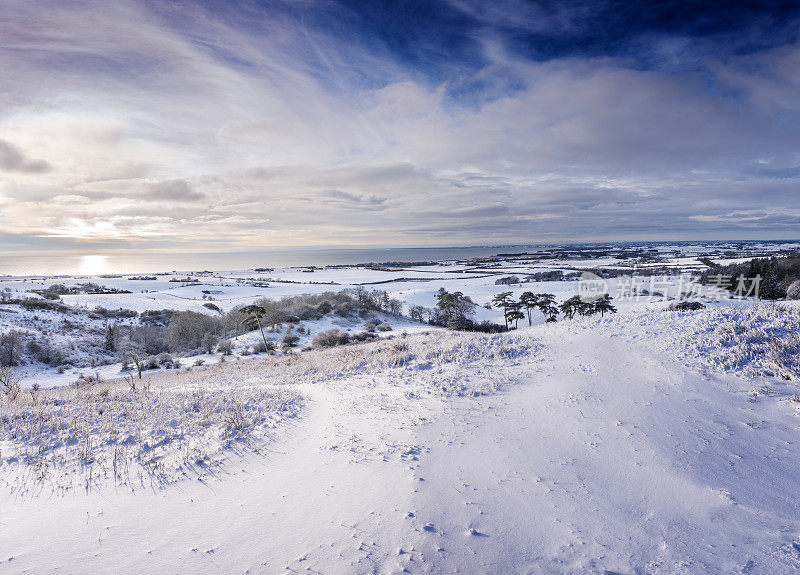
<point x="148" y="262"/>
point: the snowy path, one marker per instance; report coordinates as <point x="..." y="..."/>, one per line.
<point x="611" y="459"/>
<point x="608" y="457"/>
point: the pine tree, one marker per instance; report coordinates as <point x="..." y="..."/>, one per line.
<point x="514" y="313"/>
<point x="503" y="300"/>
<point x="603" y="305"/>
<point x="571" y="306"/>
<point x="529" y="301"/>
<point x="546" y="303"/>
<point x="110" y="344"/>
<point x="254" y="315"/>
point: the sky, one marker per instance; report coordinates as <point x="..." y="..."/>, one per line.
<point x="149" y="125"/>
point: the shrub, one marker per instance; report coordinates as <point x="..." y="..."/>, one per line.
<point x="120" y="313"/>
<point x="45" y="353"/>
<point x="383" y="327"/>
<point x="330" y="338"/>
<point x="9" y="383"/>
<point x="364" y="336"/>
<point x="33" y="303"/>
<point x="156" y="317"/>
<point x="370" y="325"/>
<point x="148" y="338"/>
<point x="225" y="347"/>
<point x="262" y="347"/>
<point x="793" y="291"/>
<point x="508" y="280"/>
<point x="686" y="306"/>
<point x="487" y="326"/>
<point x="343" y="309"/>
<point x="188" y="328"/>
<point x="305" y="311"/>
<point x="290" y="340"/>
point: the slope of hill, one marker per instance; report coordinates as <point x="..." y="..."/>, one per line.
<point x="606" y="446"/>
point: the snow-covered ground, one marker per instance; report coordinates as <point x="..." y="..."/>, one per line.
<point x="616" y="445"/>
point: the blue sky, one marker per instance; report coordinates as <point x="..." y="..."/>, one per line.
<point x="204" y="126"/>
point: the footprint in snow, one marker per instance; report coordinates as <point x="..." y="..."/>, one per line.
<point x="429" y="527"/>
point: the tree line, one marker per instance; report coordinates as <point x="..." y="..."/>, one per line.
<point x="455" y="310"/>
<point x="515" y="310"/>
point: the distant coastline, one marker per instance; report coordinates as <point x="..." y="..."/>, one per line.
<point x="130" y="263"/>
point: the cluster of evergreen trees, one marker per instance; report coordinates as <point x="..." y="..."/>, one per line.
<point x="515" y="310"/>
<point x="765" y="278"/>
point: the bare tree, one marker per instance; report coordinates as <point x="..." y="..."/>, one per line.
<point x="395" y="307"/>
<point x="9" y="383"/>
<point x="209" y="342"/>
<point x="418" y="313"/>
<point x="11" y="348"/>
<point x="137" y="356"/>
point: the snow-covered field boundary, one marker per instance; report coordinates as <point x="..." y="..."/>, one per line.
<point x="152" y="432"/>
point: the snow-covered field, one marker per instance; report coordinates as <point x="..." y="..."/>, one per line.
<point x="649" y="441"/>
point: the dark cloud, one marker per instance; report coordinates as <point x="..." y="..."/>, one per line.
<point x="173" y="191"/>
<point x="355" y="198"/>
<point x="12" y="159"/>
<point x="766" y="171"/>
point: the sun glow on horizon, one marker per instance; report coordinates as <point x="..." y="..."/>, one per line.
<point x="94" y="265"/>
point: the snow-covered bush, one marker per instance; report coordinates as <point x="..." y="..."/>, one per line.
<point x="343" y="309"/>
<point x="9" y="383"/>
<point x="225" y="347"/>
<point x="290" y="339"/>
<point x="686" y="306"/>
<point x="330" y="338"/>
<point x="262" y="347"/>
<point x="383" y="327"/>
<point x="364" y="336"/>
<point x="793" y="291"/>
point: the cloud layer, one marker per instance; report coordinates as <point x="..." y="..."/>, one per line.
<point x="222" y="126"/>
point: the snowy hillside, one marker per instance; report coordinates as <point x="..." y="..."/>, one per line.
<point x="642" y="443"/>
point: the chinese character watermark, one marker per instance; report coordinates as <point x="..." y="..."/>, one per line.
<point x="592" y="287"/>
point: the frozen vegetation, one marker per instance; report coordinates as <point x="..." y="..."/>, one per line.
<point x="154" y="431"/>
